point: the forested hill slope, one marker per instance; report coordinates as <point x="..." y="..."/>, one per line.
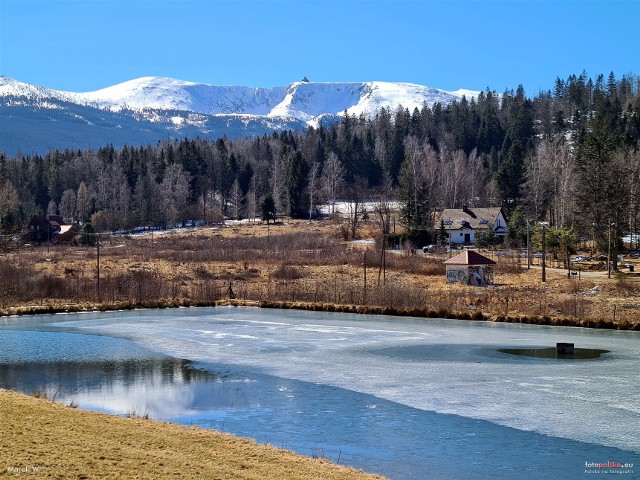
<point x="570" y="156"/>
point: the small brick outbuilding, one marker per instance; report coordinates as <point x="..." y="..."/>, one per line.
<point x="470" y="268"/>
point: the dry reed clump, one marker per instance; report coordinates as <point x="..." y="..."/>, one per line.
<point x="623" y="286"/>
<point x="287" y="272"/>
<point x="373" y="310"/>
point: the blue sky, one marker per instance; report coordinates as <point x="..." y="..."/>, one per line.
<point x="84" y="45"/>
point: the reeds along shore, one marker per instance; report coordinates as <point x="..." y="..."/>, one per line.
<point x="327" y="307"/>
<point x="305" y="267"/>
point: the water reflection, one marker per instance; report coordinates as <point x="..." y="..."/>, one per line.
<point x="160" y="387"/>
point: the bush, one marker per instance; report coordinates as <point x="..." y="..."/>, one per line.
<point x="286" y="272"/>
<point x="87" y="236"/>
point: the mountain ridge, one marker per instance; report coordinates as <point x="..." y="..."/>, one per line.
<point x="172" y="94"/>
<point x="164" y="106"/>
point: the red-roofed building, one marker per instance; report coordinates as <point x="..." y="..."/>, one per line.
<point x="470" y="268"/>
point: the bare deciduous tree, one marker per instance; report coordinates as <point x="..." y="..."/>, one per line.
<point x="550" y="176"/>
<point x="278" y="187"/>
<point x="252" y="200"/>
<point x="236" y="199"/>
<point x="175" y="187"/>
<point x="312" y="185"/>
<point x="383" y="206"/>
<point x="9" y="201"/>
<point x="355" y="207"/>
<point x="52" y="208"/>
<point x="564" y="170"/>
<point x="68" y="205"/>
<point x="633" y="161"/>
<point x="332" y="179"/>
<point x="411" y="179"/>
<point x="83" y="202"/>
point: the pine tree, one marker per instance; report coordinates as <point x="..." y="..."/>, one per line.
<point x="87" y="235"/>
<point x="510" y="177"/>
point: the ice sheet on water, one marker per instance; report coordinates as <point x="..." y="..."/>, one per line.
<point x="443" y="366"/>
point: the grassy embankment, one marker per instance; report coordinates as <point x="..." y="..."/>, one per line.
<point x="43" y="439"/>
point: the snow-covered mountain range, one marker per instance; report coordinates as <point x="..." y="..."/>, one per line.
<point x="35" y="118"/>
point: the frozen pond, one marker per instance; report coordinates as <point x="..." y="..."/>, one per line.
<point x="408" y="398"/>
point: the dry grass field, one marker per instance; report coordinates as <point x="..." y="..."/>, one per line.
<point x="299" y="261"/>
<point x="43" y="439"/>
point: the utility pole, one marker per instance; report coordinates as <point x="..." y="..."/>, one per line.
<point x="449" y="236"/>
<point x="609" y="251"/>
<point x="98" y="265"/>
<point x="528" y="246"/>
<point x="19" y="241"/>
<point x="395" y="242"/>
<point x="544" y="254"/>
<point x="364" y="265"/>
<point x="384" y="260"/>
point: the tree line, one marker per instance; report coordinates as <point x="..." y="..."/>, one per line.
<point x="569" y="156"/>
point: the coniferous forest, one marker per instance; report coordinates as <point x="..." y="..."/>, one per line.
<point x="570" y="156"/>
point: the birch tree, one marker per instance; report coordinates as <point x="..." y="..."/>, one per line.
<point x="333" y="179"/>
<point x="252" y="200"/>
<point x="236" y="199"/>
<point x="312" y="185"/>
<point x="564" y="175"/>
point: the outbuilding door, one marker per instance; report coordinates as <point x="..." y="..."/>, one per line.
<point x="467" y="238"/>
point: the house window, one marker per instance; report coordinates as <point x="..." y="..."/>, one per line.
<point x="460" y="234"/>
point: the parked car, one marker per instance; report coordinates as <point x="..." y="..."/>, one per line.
<point x="429" y="249"/>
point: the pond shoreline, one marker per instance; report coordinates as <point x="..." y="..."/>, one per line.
<point x="278" y="375"/>
<point x="48" y="438"/>
<point x="324" y="307"/>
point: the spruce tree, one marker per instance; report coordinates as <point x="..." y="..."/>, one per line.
<point x="268" y="209"/>
<point x="510" y="177"/>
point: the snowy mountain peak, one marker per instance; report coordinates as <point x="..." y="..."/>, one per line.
<point x="149" y="108"/>
<point x="306" y="101"/>
<point x="4" y="80"/>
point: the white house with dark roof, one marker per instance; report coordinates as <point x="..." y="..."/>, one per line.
<point x="462" y="225"/>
